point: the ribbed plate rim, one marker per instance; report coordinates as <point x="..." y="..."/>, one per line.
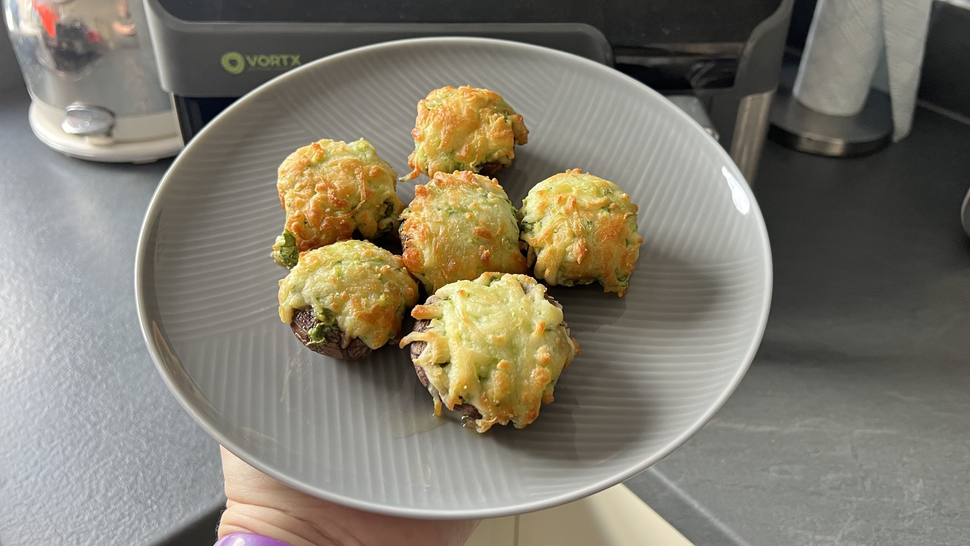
<point x="423" y="513"/>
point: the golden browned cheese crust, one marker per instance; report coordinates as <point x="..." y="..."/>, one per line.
<point x="464" y="129"/>
<point x="495" y="343"/>
<point x="459" y="226"/>
<point x="355" y="286"/>
<point x="330" y="190"/>
<point x="581" y="228"/>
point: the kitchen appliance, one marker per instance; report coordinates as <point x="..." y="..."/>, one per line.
<point x="91" y="73"/>
<point x="724" y="56"/>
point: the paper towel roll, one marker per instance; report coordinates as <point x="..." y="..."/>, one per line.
<point x="905" y="24"/>
<point x="843" y="48"/>
<point x="847" y="40"/>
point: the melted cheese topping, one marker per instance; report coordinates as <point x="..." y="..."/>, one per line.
<point x="330" y="189"/>
<point x="461" y="129"/>
<point x="366" y="289"/>
<point x="581" y="228"/>
<point x="459" y="226"/>
<point x="496" y="343"/>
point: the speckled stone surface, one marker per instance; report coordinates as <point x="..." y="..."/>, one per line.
<point x="93" y="448"/>
<point x="852" y="425"/>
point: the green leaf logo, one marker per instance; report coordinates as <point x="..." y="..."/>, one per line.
<point x="233" y="62"/>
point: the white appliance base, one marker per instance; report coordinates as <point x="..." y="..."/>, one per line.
<point x="47" y="128"/>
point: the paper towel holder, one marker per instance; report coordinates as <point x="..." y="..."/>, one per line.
<point x="798" y="127"/>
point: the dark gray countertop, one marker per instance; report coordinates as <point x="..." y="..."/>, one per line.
<point x="853" y="424"/>
<point x="851" y="427"/>
<point x="93" y="448"/>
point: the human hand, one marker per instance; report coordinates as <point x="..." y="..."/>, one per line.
<point x="262" y="505"/>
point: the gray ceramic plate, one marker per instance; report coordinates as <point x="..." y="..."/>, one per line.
<point x="655" y="365"/>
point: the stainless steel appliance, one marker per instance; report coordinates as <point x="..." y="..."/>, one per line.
<point x="724" y="55"/>
<point x="91" y="73"/>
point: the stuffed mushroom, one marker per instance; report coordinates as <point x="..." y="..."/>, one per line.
<point x="333" y="191"/>
<point x="346" y="299"/>
<point x="459" y="226"/>
<point x="465" y="129"/>
<point x="579" y="229"/>
<point x="492" y="348"/>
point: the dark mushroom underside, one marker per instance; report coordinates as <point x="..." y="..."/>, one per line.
<point x="490" y="169"/>
<point x="304" y="321"/>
